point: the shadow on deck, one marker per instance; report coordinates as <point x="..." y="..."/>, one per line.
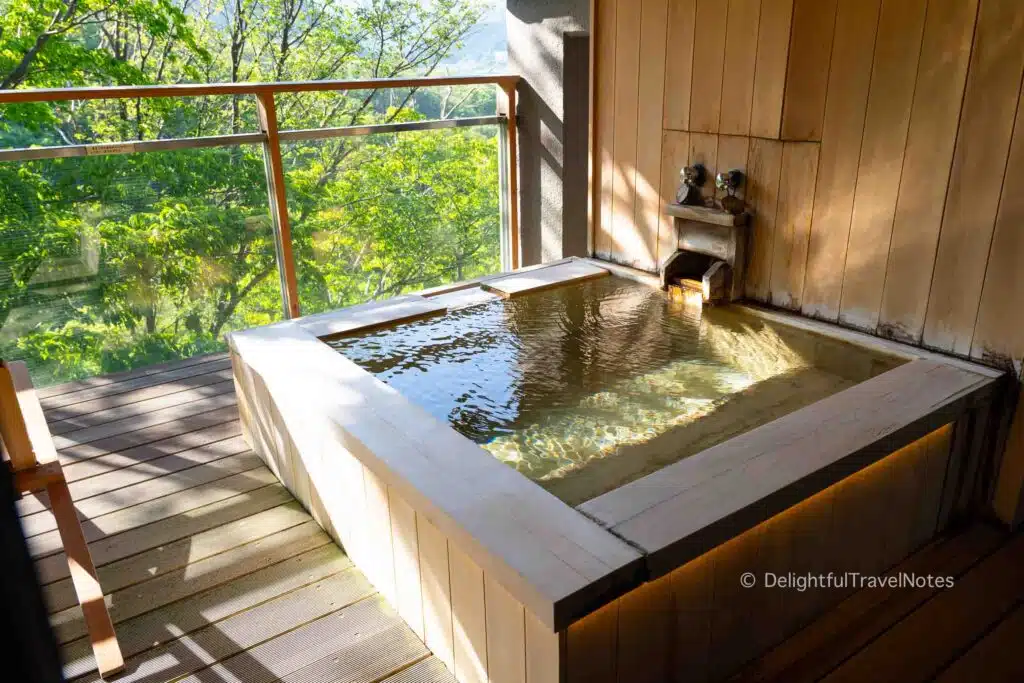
<point x="211" y="570"/>
<point x="214" y="573"/>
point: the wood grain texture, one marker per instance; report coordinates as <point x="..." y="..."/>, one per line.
<point x="976" y="603"/>
<point x="675" y="154"/>
<point x="986" y="124"/>
<point x="842" y="133"/>
<point x="469" y="617"/>
<point x="506" y="635"/>
<point x="793" y="222"/>
<point x="651" y="95"/>
<point x="408" y="582"/>
<point x="810" y="51"/>
<point x="995" y="658"/>
<point x="733" y="153"/>
<point x="897" y="50"/>
<point x="591" y="647"/>
<point x="437" y="593"/>
<point x="708" y="62"/>
<point x="645" y="629"/>
<point x="764" y="171"/>
<point x="625" y="106"/>
<point x="650" y="511"/>
<point x="931" y="138"/>
<point x="604" y="127"/>
<point x="704" y="151"/>
<point x="999" y="332"/>
<point x="678" y="63"/>
<point x="770" y="67"/>
<point x="1009" y="494"/>
<point x="739" y="65"/>
<point x="810" y="654"/>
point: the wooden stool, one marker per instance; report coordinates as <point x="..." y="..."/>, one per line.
<point x="32" y="458"/>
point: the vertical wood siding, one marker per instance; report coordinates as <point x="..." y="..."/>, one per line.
<point x="884" y="155"/>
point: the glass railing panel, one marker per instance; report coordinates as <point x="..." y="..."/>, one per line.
<point x="306" y="110"/>
<point x="115" y="262"/>
<point x="379" y="215"/>
<point x="82" y="122"/>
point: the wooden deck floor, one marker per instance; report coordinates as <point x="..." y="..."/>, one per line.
<point x="970" y="633"/>
<point x="212" y="571"/>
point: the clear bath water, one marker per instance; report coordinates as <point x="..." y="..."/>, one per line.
<point x="586" y="387"/>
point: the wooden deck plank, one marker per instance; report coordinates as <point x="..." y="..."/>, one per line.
<point x="134" y="447"/>
<point x="120" y="478"/>
<point x="430" y="670"/>
<point x="363" y="642"/>
<point x="136" y="423"/>
<point x="129" y="496"/>
<point x="125" y="375"/>
<point x="130" y="391"/>
<point x="142" y="407"/>
<point x="220" y="640"/>
<point x="197" y="576"/>
<point x="951" y="620"/>
<point x="134" y="541"/>
<point x="211" y="569"/>
<point x="995" y="659"/>
<point x="155" y="438"/>
<point x="180" y="618"/>
<point x="164" y="559"/>
<point x="858" y="620"/>
<point x="155" y="510"/>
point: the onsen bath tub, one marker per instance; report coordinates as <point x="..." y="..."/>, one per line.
<point x="563" y="472"/>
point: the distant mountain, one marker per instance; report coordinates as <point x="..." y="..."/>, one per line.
<point x="485" y="48"/>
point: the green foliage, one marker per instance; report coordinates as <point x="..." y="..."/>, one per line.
<point x="113" y="262"/>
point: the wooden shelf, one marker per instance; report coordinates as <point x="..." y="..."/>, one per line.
<point x="705" y="214"/>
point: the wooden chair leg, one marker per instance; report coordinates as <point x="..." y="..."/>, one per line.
<point x="87" y="585"/>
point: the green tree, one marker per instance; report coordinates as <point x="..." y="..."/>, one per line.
<point x="111" y="262"/>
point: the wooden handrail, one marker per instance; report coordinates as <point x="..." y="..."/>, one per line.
<point x="120" y="92"/>
<point x="265" y="94"/>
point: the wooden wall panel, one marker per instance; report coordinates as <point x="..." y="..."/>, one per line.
<point x="645" y="629"/>
<point x="999" y="333"/>
<point x="675" y="154"/>
<point x="913" y="234"/>
<point x="408" y="582"/>
<point x="469" y="617"/>
<point x="732" y="154"/>
<point x="764" y="169"/>
<point x="625" y="104"/>
<point x="793" y="222"/>
<point x="590" y="648"/>
<point x="738" y="68"/>
<point x="704" y="151"/>
<point x="842" y="133"/>
<point x="986" y="123"/>
<point x="699" y="624"/>
<point x="679" y="63"/>
<point x="770" y="67"/>
<point x="708" y="60"/>
<point x="810" y="51"/>
<point x="436" y="590"/>
<point x="651" y="96"/>
<point x="897" y="49"/>
<point x="938" y="92"/>
<point x="506" y="635"/>
<point x="604" y="124"/>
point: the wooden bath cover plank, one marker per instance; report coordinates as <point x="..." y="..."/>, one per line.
<point x="518" y="284"/>
<point x="685" y="509"/>
<point x="370" y="315"/>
